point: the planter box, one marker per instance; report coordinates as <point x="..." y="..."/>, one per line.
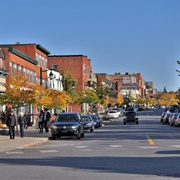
<point x="4" y="131"/>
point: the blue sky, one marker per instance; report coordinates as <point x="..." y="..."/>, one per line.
<point x="117" y="35"/>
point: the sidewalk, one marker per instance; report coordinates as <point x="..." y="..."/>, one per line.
<point x="32" y="138"/>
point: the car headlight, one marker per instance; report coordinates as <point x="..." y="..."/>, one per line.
<point x="74" y="127"/>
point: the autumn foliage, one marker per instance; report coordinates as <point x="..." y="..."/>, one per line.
<point x="19" y="92"/>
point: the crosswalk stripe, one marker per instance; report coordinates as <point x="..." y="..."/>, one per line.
<point x="48" y="151"/>
<point x="15" y="152"/>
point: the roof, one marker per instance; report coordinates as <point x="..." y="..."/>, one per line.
<point x="38" y="46"/>
<point x="41" y="48"/>
<point x="22" y="55"/>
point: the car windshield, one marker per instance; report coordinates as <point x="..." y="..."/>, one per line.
<point x="113" y="111"/>
<point x="93" y="117"/>
<point x="116" y="109"/>
<point x="85" y="118"/>
<point x="130" y="113"/>
<point x="66" y="118"/>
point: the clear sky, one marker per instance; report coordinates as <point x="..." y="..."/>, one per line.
<point x="117" y="35"/>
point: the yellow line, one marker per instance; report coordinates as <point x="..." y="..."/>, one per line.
<point x="151" y="142"/>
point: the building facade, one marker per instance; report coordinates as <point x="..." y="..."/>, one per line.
<point x="79" y="66"/>
<point x="129" y="84"/>
<point x="30" y="60"/>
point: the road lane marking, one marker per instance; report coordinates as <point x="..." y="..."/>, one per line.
<point x="15" y="152"/>
<point x="116" y="146"/>
<point x="151" y="142"/>
<point x="148" y="147"/>
<point x="48" y="151"/>
<point x="80" y="147"/>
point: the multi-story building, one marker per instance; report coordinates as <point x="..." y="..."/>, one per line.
<point x="150" y="91"/>
<point x="79" y="66"/>
<point x="129" y="84"/>
<point x="31" y="61"/>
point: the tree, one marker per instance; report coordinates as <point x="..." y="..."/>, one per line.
<point x="167" y="99"/>
<point x="89" y="96"/>
<point x="18" y="93"/>
<point x="50" y="98"/>
<point x="120" y="99"/>
<point x="102" y="90"/>
<point x="140" y="101"/>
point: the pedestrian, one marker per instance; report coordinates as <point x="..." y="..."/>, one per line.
<point x="28" y="119"/>
<point x="11" y="123"/>
<point x="40" y="123"/>
<point x="46" y="118"/>
<point x="21" y="122"/>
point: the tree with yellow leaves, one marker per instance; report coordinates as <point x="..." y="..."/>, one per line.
<point x="50" y="98"/>
<point x="18" y="92"/>
<point x="120" y="99"/>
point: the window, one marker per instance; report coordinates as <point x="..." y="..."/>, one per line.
<point x="45" y="62"/>
<point x="12" y="67"/>
<point x="33" y="77"/>
<point x="84" y="68"/>
<point x="54" y="67"/>
<point x="22" y="70"/>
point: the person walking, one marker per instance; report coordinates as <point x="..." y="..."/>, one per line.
<point x="11" y="123"/>
<point x="40" y="124"/>
<point x="21" y="122"/>
<point x="46" y="118"/>
<point x="28" y="119"/>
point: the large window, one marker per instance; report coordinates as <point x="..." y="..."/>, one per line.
<point x="33" y="77"/>
<point x="54" y="67"/>
<point x="84" y="68"/>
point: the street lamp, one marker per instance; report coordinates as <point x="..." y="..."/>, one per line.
<point x="51" y="75"/>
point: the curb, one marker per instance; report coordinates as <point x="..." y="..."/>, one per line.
<point x="34" y="144"/>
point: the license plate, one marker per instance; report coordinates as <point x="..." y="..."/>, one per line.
<point x="64" y="131"/>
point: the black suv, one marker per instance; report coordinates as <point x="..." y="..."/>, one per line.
<point x="130" y="116"/>
<point x="67" y="124"/>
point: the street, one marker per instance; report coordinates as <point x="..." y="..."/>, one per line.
<point x="149" y="150"/>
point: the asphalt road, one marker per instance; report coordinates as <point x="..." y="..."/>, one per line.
<point x="149" y="150"/>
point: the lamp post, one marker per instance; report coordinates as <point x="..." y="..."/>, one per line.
<point x="51" y="75"/>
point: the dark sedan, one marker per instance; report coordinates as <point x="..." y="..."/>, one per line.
<point x="67" y="124"/>
<point x="97" y="121"/>
<point x="130" y="116"/>
<point x="87" y="122"/>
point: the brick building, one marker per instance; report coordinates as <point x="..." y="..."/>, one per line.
<point x="80" y="69"/>
<point x="132" y="84"/>
<point x="27" y="59"/>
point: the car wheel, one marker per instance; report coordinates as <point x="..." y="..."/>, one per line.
<point x="53" y="137"/>
<point x="58" y="136"/>
<point x="137" y="122"/>
<point x="124" y="123"/>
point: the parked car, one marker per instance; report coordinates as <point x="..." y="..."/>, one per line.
<point x="177" y="121"/>
<point x="166" y="118"/>
<point x="112" y="114"/>
<point x="97" y="120"/>
<point x="87" y="122"/>
<point x="172" y="118"/>
<point x="119" y="111"/>
<point x="67" y="124"/>
<point x="130" y="116"/>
